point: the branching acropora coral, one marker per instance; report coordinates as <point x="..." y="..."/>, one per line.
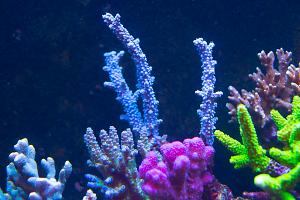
<point x="249" y="153"/>
<point x="273" y="89"/>
<point x="116" y="163"/>
<point x="289" y="133"/>
<point x="208" y="105"/>
<point x="144" y="78"/>
<point x="280" y="186"/>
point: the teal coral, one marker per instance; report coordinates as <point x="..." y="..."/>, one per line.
<point x="250" y="153"/>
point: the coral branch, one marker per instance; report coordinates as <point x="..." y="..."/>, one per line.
<point x="143" y="72"/>
<point x="208" y="105"/>
<point x="250" y="153"/>
<point x="125" y="96"/>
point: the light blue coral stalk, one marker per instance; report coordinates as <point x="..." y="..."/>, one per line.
<point x="143" y="72"/>
<point x="124" y="95"/>
<point x="208" y="105"/>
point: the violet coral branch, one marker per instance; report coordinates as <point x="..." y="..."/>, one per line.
<point x="208" y="105"/>
<point x="273" y="90"/>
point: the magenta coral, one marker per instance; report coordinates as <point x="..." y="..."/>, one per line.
<point x="180" y="172"/>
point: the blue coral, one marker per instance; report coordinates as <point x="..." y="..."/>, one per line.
<point x="208" y="105"/>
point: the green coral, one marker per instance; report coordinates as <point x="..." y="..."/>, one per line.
<point x="289" y="133"/>
<point x="280" y="186"/>
<point x="249" y="153"/>
<point x="285" y="126"/>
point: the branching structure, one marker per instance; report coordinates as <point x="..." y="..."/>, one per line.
<point x="23" y="180"/>
<point x="281" y="175"/>
<point x="143" y="73"/>
<point x="116" y="161"/>
<point x="208" y="105"/>
<point x="273" y="89"/>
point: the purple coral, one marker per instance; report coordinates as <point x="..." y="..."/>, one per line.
<point x="181" y="174"/>
<point x="273" y="90"/>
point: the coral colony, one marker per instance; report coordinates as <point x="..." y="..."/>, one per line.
<point x="180" y="170"/>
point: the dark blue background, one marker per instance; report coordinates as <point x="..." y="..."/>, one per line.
<point x="51" y="77"/>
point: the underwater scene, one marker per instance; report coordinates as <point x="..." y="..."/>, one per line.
<point x="149" y="100"/>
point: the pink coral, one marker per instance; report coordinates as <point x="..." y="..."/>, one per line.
<point x="182" y="173"/>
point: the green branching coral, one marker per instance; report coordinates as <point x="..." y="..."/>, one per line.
<point x="289" y="133"/>
<point x="250" y="153"/>
<point x="280" y="186"/>
<point x="285" y="126"/>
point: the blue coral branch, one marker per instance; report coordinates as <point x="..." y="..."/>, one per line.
<point x="143" y="69"/>
<point x="125" y="96"/>
<point x="208" y="105"/>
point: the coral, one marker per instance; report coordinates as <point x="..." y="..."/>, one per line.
<point x="208" y="105"/>
<point x="278" y="180"/>
<point x="143" y="73"/>
<point x="250" y="153"/>
<point x="289" y="133"/>
<point x="90" y="195"/>
<point x="124" y="95"/>
<point x="181" y="174"/>
<point x="280" y="186"/>
<point x="293" y="75"/>
<point x="23" y="180"/>
<point x="116" y="163"/>
<point x="257" y="195"/>
<point x="273" y="90"/>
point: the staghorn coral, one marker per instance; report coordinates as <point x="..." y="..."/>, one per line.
<point x="288" y="132"/>
<point x="250" y="153"/>
<point x="293" y="75"/>
<point x="273" y="89"/>
<point x="280" y="186"/>
<point x="278" y="180"/>
<point x="144" y="78"/>
<point x="116" y="163"/>
<point x="208" y="105"/>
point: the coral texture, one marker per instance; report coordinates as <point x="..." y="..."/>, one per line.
<point x="23" y="180"/>
<point x="273" y="89"/>
<point x="182" y="172"/>
<point x="208" y="105"/>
